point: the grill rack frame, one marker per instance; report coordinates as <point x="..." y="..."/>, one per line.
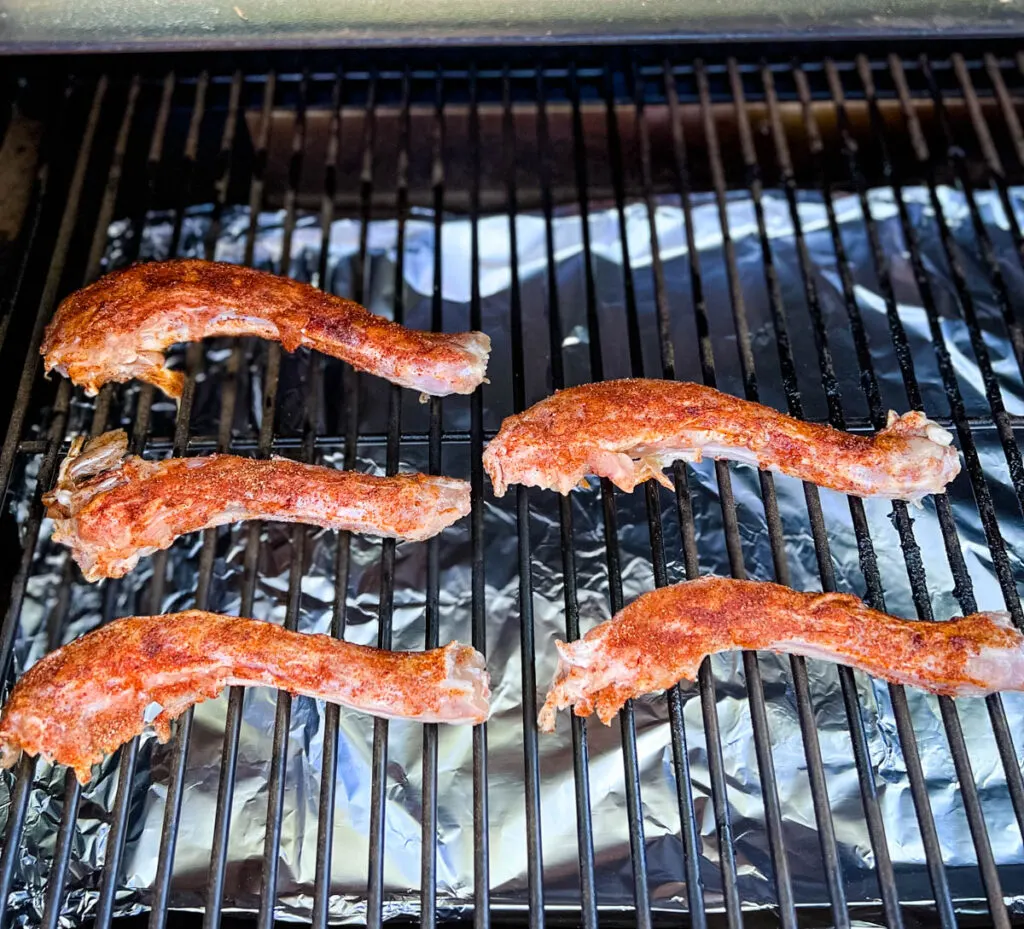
<point x="625" y="77"/>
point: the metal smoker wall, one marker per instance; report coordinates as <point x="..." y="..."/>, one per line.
<point x="835" y="238"/>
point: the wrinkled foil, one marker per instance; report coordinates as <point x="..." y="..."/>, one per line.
<point x="507" y="825"/>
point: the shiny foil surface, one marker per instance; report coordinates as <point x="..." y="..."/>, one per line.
<point x="90" y="604"/>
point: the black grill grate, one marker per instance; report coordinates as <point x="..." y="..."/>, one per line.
<point x="370" y="138"/>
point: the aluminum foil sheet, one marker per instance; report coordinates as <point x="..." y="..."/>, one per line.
<point x="507" y="826"/>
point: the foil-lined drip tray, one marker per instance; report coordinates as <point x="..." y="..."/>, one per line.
<point x="507" y="824"/>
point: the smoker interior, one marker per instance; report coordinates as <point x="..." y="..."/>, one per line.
<point x="427" y="137"/>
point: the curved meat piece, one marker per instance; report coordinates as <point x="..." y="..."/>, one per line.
<point x="111" y="510"/>
<point x="662" y="637"/>
<point x="84" y="700"/>
<point x="118" y="328"/>
<point x="629" y="430"/>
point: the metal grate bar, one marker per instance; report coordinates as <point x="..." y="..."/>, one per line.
<point x="147" y="393"/>
<point x="957" y="747"/>
<point x="869" y="794"/>
<point x="816" y="775"/>
<point x="194" y="354"/>
<point x="992" y="390"/>
<point x="378" y="808"/>
<point x="901" y="711"/>
<point x="996" y="544"/>
<point x="481" y="816"/>
<point x="128" y="756"/>
<point x="914" y="565"/>
<point x="992" y="159"/>
<point x="72" y="788"/>
<point x="191" y="152"/>
<point x="993" y="67"/>
<point x="61" y="853"/>
<point x="26" y="772"/>
<point x="997" y="177"/>
<point x="229" y="400"/>
<point x="342" y="552"/>
<point x="966" y="302"/>
<point x="705" y="676"/>
<point x="755" y="689"/>
<point x="972" y="805"/>
<point x="858" y="736"/>
<point x="300" y="532"/>
<point x="957" y="157"/>
<point x="229" y="397"/>
<point x="431" y="636"/>
<point x="581" y="752"/>
<point x="987" y="512"/>
<point x="902" y="518"/>
<point x="224" y="159"/>
<point x="680" y="752"/>
<point x="183" y="729"/>
<point x="72" y="791"/>
<point x="531" y="752"/>
<point x="69" y="219"/>
<point x="236" y="700"/>
<point x="47" y="300"/>
<point x="627" y="722"/>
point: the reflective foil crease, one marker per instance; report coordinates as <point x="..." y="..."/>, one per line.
<point x="507" y="826"/>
